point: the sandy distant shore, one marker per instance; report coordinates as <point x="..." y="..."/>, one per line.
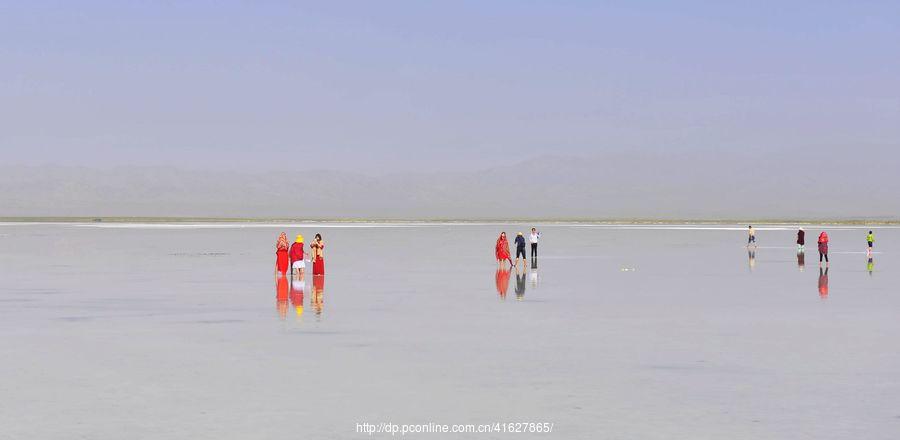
<point x="625" y="221"/>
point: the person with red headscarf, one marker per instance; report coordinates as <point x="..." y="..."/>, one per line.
<point x="318" y="257"/>
<point x="501" y="250"/>
<point x="823" y="247"/>
<point x="281" y="254"/>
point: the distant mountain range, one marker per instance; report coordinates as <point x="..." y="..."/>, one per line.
<point x="668" y="186"/>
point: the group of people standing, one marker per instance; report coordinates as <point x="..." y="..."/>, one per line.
<point x="822" y="242"/>
<point x="293" y="257"/>
<point x="501" y="248"/>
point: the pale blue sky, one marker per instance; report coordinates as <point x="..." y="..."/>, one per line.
<point x="394" y="86"/>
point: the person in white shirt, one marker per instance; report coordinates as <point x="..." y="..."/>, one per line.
<point x="535" y="236"/>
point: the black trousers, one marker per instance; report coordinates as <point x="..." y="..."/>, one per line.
<point x="533" y="250"/>
<point x="823" y="255"/>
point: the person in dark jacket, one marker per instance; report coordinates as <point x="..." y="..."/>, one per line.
<point x="801" y="239"/>
<point x="520" y="249"/>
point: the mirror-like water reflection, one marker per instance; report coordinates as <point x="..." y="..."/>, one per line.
<point x="674" y="338"/>
<point x="823" y="282"/>
<point x="318" y="294"/>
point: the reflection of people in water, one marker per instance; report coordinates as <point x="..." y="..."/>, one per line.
<point x="534" y="275"/>
<point x="297" y="287"/>
<point x="870" y="265"/>
<point x="318" y="294"/>
<point x="520" y="285"/>
<point x="751" y="255"/>
<point x="801" y="260"/>
<point x="281" y="296"/>
<point x="502" y="281"/>
<point x="823" y="283"/>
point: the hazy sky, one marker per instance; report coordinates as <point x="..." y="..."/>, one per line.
<point x="399" y="86"/>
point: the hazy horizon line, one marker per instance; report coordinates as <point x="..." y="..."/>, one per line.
<point x="637" y="221"/>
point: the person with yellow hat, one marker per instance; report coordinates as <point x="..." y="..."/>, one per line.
<point x="297" y="261"/>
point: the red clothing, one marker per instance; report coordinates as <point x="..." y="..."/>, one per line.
<point x="501" y="250"/>
<point x="319" y="266"/>
<point x="281" y="260"/>
<point x="823" y="243"/>
<point x="318" y="259"/>
<point x="297" y="252"/>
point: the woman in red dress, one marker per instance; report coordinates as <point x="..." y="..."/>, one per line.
<point x="281" y="254"/>
<point x="318" y="257"/>
<point x="501" y="250"/>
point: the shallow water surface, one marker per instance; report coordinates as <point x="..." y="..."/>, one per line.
<point x="182" y="331"/>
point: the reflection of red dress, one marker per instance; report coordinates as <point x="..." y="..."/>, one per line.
<point x="502" y="249"/>
<point x="281" y="296"/>
<point x="823" y="284"/>
<point x="318" y="294"/>
<point x="281" y="260"/>
<point x="502" y="279"/>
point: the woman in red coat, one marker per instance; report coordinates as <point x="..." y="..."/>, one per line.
<point x="501" y="250"/>
<point x="823" y="247"/>
<point x="281" y="254"/>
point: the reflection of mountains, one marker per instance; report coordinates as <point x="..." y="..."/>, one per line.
<point x="661" y="188"/>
